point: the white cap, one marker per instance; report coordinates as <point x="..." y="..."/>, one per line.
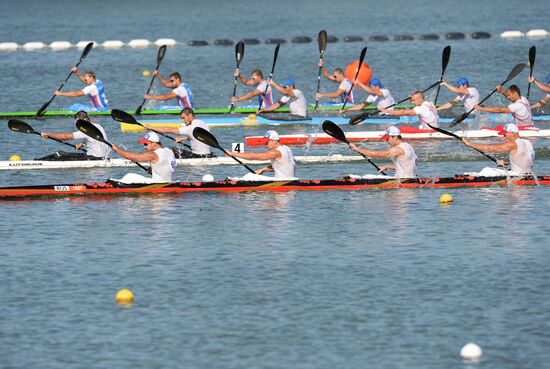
<point x="509" y="127"/>
<point x="392" y="131"/>
<point x="271" y="135"/>
<point x="150" y="137"/>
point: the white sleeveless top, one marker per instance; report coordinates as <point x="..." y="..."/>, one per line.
<point x="284" y="167"/>
<point x="164" y="168"/>
<point x="521" y="111"/>
<point x="427" y="113"/>
<point x="405" y="165"/>
<point x="522" y="161"/>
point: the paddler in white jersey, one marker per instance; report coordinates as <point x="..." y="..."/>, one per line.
<point x="282" y="160"/>
<point x="469" y="96"/>
<point x="163" y="162"/>
<point x="401" y="153"/>
<point x="378" y="95"/>
<point x="292" y="96"/>
<point x="425" y="110"/>
<point x="521" y="150"/>
<point x="95" y="150"/>
<point x="198" y="149"/>
<point x="544" y="87"/>
<point x="519" y="108"/>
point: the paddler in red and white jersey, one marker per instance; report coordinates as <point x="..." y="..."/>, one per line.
<point x="401" y="153"/>
<point x="521" y="150"/>
<point x="180" y="91"/>
<point x="345" y="86"/>
<point x="282" y="159"/>
<point x="256" y="79"/>
<point x="425" y="110"/>
<point x="94" y="90"/>
<point x="468" y="95"/>
<point x="519" y="108"/>
<point x="163" y="162"/>
<point x="378" y="95"/>
<point x="544" y="87"/>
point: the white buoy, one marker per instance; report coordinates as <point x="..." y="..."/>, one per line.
<point x="537" y="33"/>
<point x="82" y="44"/>
<point x="8" y="46"/>
<point x="165" y="41"/>
<point x="471" y="351"/>
<point x="512" y="34"/>
<point x="208" y="178"/>
<point x="139" y="43"/>
<point x="30" y="46"/>
<point x="113" y="44"/>
<point x="60" y="45"/>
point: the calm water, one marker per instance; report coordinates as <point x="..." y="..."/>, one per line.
<point x="381" y="279"/>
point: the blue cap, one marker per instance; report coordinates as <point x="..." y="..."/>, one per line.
<point x="462" y="81"/>
<point x="288" y="82"/>
<point x="547" y="79"/>
<point x="375" y="82"/>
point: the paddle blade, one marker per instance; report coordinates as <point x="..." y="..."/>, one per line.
<point x="86" y="51"/>
<point x="90" y="130"/>
<point x="333" y="130"/>
<point x="43" y="108"/>
<point x="275" y="54"/>
<point x="206" y="137"/>
<point x="361" y="58"/>
<point x="517" y="70"/>
<point x="123" y="117"/>
<point x="459" y="119"/>
<point x="322" y="40"/>
<point x="532" y="56"/>
<point x="20" y="126"/>
<point x="445" y="57"/>
<point x="356" y="119"/>
<point x="239" y="52"/>
<point x="160" y="54"/>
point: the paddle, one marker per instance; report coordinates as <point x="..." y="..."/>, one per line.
<point x="361" y="58"/>
<point x="445" y="56"/>
<point x="160" y="56"/>
<point x="239" y="53"/>
<point x="82" y="57"/>
<point x="460" y="139"/>
<point x="123" y="117"/>
<point x="515" y="71"/>
<point x="20" y="126"/>
<point x="322" y="39"/>
<point x="91" y="131"/>
<point x="333" y="130"/>
<point x="532" y="56"/>
<point x="208" y="138"/>
<point x="270" y="74"/>
<point x="362" y="116"/>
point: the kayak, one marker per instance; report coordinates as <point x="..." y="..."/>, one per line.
<point x="284" y="120"/>
<point x="407" y="132"/>
<point x="114" y="187"/>
<point x="114" y="163"/>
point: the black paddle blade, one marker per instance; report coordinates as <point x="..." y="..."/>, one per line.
<point x="356" y="119"/>
<point x="161" y="53"/>
<point x="86" y="51"/>
<point x="517" y="70"/>
<point x="333" y="130"/>
<point x="206" y="137"/>
<point x="20" y="126"/>
<point x="445" y="57"/>
<point x="123" y="117"/>
<point x="459" y="119"/>
<point x="43" y="108"/>
<point x="322" y="39"/>
<point x="275" y="54"/>
<point x="239" y="52"/>
<point x="532" y="56"/>
<point x="90" y="130"/>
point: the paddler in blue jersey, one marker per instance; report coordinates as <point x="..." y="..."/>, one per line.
<point x="180" y="91"/>
<point x="94" y="90"/>
<point x="256" y="79"/>
<point x="345" y="86"/>
<point x="544" y="87"/>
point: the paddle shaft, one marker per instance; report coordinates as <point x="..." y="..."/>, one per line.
<point x="160" y="57"/>
<point x="275" y="54"/>
<point x="361" y="58"/>
<point x="60" y="141"/>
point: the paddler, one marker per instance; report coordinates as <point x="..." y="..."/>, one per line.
<point x="544" y="87"/>
<point x="180" y="90"/>
<point x="198" y="149"/>
<point x="345" y="86"/>
<point x="292" y="96"/>
<point x="519" y="108"/>
<point x="95" y="150"/>
<point x="163" y="162"/>
<point x="94" y="90"/>
<point x="424" y="110"/>
<point x="256" y="79"/>
<point x="282" y="160"/>
<point x="401" y="153"/>
<point x="378" y="95"/>
<point x="468" y="95"/>
<point x="520" y="150"/>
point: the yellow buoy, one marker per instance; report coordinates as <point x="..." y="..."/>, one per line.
<point x="446" y="198"/>
<point x="15" y="157"/>
<point x="124" y="296"/>
<point x="146" y="73"/>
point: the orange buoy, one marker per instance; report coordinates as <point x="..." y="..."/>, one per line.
<point x="364" y="74"/>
